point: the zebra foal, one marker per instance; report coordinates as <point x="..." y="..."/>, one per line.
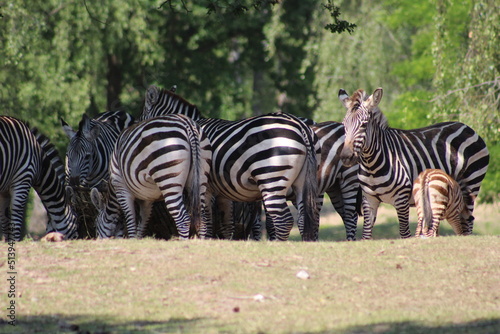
<point x="391" y="159"/>
<point x="28" y="159"/>
<point x="165" y="158"/>
<point x="438" y="196"/>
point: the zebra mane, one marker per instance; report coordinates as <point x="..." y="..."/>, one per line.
<point x="50" y="154"/>
<point x="160" y="101"/>
<point x="172" y="94"/>
<point x="357" y="98"/>
<point x="379" y="118"/>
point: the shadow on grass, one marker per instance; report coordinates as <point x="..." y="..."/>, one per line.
<point x="485" y="326"/>
<point x="82" y="325"/>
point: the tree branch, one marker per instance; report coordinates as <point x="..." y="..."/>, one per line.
<point x="90" y="14"/>
<point x="495" y="81"/>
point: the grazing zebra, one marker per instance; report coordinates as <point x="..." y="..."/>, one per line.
<point x="270" y="157"/>
<point x="87" y="161"/>
<point x="391" y="159"/>
<point x="438" y="196"/>
<point x="89" y="149"/>
<point x="164" y="157"/>
<point x="28" y="159"/>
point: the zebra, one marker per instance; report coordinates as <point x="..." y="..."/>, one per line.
<point x="28" y="159"/>
<point x="438" y="196"/>
<point x="391" y="159"/>
<point x="87" y="161"/>
<point x="268" y="157"/>
<point x="338" y="181"/>
<point x="164" y="157"/>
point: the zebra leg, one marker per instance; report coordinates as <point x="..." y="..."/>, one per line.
<point x="344" y="202"/>
<point x="206" y="215"/>
<point x="370" y="208"/>
<point x="226" y="227"/>
<point x="19" y="198"/>
<point x="177" y="209"/>
<point x="254" y="231"/>
<point x="5" y="215"/>
<point x="271" y="231"/>
<point x="403" y="211"/>
<point x="420" y="222"/>
<point x="279" y="214"/>
<point x="146" y="208"/>
<point x="127" y="203"/>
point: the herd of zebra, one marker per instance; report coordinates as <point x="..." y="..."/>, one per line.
<point x="207" y="173"/>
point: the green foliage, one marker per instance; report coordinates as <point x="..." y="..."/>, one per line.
<point x="410" y="110"/>
<point x="339" y="26"/>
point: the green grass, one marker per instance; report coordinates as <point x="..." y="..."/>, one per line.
<point x="441" y="285"/>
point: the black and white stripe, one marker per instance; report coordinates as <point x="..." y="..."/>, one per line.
<point x="391" y="159"/>
<point x="165" y="158"/>
<point x="270" y="158"/>
<point x="28" y="159"/>
<point x="438" y="196"/>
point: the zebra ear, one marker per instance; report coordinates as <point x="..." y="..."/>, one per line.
<point x="97" y="199"/>
<point x="67" y="129"/>
<point x="89" y="132"/>
<point x="152" y="95"/>
<point x="343" y="97"/>
<point x="376" y="97"/>
<point x="173" y="88"/>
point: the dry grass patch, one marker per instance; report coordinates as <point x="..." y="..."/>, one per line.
<point x="443" y="285"/>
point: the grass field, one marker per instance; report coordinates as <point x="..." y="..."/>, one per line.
<point x="443" y="285"/>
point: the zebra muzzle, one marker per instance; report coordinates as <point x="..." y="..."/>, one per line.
<point x="348" y="157"/>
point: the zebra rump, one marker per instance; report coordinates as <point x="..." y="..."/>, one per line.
<point x="165" y="158"/>
<point x="28" y="159"/>
<point x="270" y="157"/>
<point x="438" y="196"/>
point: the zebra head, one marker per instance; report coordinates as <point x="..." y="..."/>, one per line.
<point x="80" y="154"/>
<point x="360" y="110"/>
<point x="160" y="102"/>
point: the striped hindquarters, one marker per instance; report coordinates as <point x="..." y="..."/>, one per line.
<point x="165" y="157"/>
<point x="438" y="196"/>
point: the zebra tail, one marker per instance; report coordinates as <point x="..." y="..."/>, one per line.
<point x="310" y="194"/>
<point x="195" y="184"/>
<point x="427" y="209"/>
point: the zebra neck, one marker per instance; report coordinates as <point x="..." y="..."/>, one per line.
<point x="50" y="189"/>
<point x="375" y="152"/>
<point x="50" y="185"/>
